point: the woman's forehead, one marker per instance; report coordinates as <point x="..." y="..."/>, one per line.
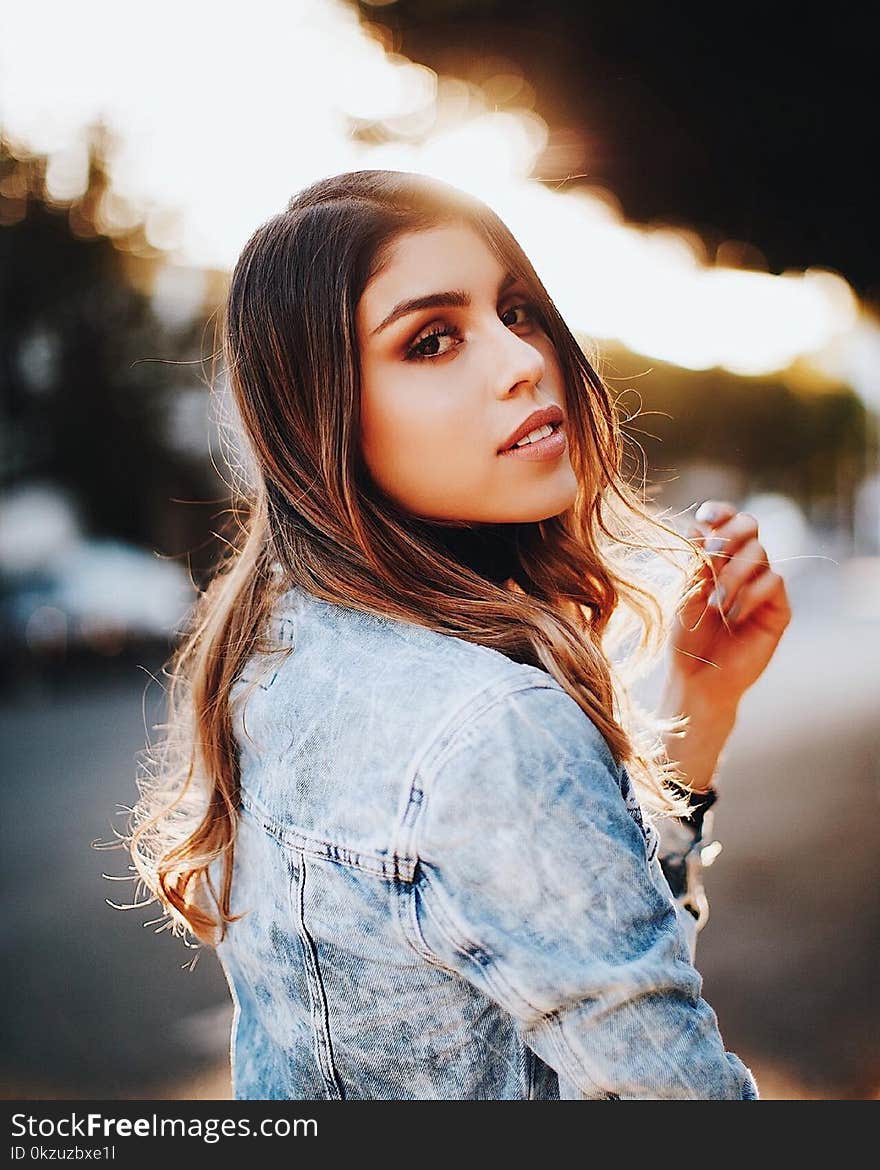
<point x="436" y="259"/>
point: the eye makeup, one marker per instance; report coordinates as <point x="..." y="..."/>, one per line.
<point x="438" y="330"/>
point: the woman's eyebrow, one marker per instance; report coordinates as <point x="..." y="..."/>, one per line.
<point x="438" y="300"/>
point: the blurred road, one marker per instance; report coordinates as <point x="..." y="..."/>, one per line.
<point x="790" y="953"/>
<point x="97" y="1006"/>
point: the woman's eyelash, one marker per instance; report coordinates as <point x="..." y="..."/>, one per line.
<point x="413" y="352"/>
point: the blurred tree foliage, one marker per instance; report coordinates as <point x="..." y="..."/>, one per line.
<point x="85" y="376"/>
<point x="812" y="444"/>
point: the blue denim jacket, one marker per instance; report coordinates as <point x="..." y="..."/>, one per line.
<point x="449" y="889"/>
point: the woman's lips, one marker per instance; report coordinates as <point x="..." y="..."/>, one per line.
<point x="549" y="448"/>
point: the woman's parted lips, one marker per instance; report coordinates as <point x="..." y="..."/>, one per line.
<point x="547" y="416"/>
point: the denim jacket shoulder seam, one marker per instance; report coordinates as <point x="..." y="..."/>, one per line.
<point x="432" y="756"/>
<point x="404" y="836"/>
<point x="424" y="766"/>
<point x="443" y="742"/>
<point x="424" y="771"/>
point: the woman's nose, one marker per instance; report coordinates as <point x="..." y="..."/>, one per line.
<point x="516" y="361"/>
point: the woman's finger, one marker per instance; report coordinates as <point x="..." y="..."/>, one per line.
<point x="724" y="541"/>
<point x="714" y="512"/>
<point x="750" y="560"/>
<point x="766" y="589"/>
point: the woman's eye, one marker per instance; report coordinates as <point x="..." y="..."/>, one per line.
<point x="525" y="308"/>
<point x="430" y="345"/>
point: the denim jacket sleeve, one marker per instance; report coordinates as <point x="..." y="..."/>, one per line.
<point x="536" y="886"/>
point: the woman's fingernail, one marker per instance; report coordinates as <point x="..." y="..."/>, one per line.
<point x="714" y="544"/>
<point x="716" y="597"/>
<point x="707" y="512"/>
<point x="733" y="612"/>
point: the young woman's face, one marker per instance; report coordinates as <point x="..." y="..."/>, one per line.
<point x="445" y="386"/>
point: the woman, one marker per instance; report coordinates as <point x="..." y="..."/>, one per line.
<point x="405" y="790"/>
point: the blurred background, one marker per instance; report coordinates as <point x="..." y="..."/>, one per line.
<point x="695" y="196"/>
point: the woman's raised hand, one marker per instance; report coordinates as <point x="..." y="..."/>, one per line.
<point x="726" y="634"/>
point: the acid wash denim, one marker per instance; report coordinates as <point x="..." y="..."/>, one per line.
<point x="447" y="886"/>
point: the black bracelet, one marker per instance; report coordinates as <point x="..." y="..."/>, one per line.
<point x="700" y="803"/>
<point x="676" y="866"/>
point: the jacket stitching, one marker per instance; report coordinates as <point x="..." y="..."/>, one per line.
<point x="320" y="1014"/>
<point x="434" y="751"/>
<point x="415" y="939"/>
<point x="408" y="917"/>
<point x="394" y="866"/>
<point x="477" y="954"/>
<point x="529" y="1057"/>
<point x="547" y="1021"/>
<point x="571" y="1065"/>
<point x="510" y="688"/>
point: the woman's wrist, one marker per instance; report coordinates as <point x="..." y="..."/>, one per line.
<point x="696" y="751"/>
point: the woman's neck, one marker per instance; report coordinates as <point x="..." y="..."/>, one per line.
<point x="489" y="549"/>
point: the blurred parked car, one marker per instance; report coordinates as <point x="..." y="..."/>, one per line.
<point x="62" y="591"/>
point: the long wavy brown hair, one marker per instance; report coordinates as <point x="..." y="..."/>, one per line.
<point x="585" y="603"/>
